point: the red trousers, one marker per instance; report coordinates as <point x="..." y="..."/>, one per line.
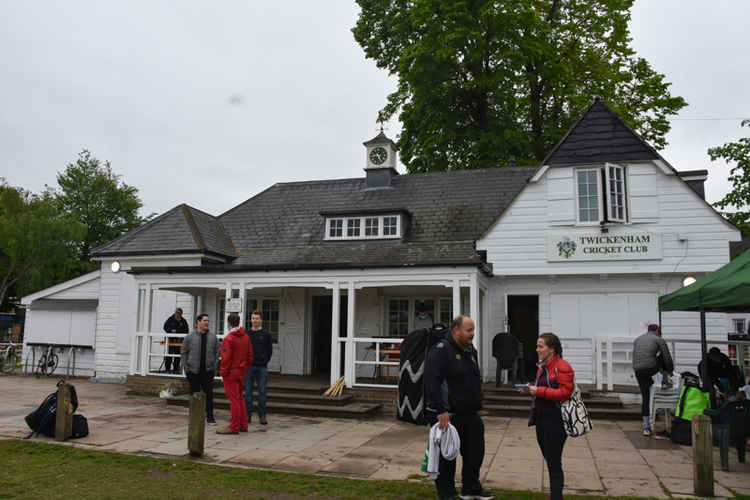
<point x="233" y="388"/>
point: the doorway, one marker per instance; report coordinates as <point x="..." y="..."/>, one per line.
<point x="322" y="310"/>
<point x="523" y="323"/>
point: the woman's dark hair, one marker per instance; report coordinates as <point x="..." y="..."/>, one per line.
<point x="552" y="341"/>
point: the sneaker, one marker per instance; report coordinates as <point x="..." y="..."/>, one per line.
<point x="263" y="420"/>
<point x="210" y="420"/>
<point x="243" y="430"/>
<point x="646" y="431"/>
<point x="227" y="430"/>
<point x="482" y="495"/>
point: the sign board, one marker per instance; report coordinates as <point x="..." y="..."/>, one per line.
<point x="592" y="245"/>
<point x="234" y="305"/>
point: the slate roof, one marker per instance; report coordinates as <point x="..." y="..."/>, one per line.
<point x="600" y="135"/>
<point x="182" y="229"/>
<point x="445" y="213"/>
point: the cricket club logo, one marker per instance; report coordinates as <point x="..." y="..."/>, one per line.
<point x="566" y="247"/>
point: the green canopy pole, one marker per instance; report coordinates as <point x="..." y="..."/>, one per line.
<point x="704" y="349"/>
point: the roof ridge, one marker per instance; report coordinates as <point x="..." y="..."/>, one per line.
<point x="197" y="237"/>
<point x="136" y="230"/>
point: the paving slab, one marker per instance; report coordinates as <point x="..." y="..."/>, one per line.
<point x="612" y="460"/>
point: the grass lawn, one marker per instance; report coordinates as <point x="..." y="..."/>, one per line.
<point x="41" y="470"/>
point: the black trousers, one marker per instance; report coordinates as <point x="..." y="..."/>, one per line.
<point x="173" y="349"/>
<point x="644" y="383"/>
<point x="550" y="434"/>
<point x="203" y="382"/>
<point x="471" y="432"/>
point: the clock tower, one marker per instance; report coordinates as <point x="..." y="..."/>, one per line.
<point x="380" y="161"/>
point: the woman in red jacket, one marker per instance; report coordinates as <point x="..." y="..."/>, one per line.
<point x="236" y="359"/>
<point x="554" y="384"/>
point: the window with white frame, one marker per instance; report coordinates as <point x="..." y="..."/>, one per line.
<point x="363" y="227"/>
<point x="601" y="194"/>
<point x="398" y="317"/>
<point x="738" y="325"/>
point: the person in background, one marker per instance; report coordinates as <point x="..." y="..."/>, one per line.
<point x="423" y="319"/>
<point x="721" y="371"/>
<point x="200" y="351"/>
<point x="650" y="355"/>
<point x="258" y="372"/>
<point x="236" y="359"/>
<point x="554" y="384"/>
<point x="174" y="324"/>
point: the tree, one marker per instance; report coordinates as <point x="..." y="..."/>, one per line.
<point x="37" y="242"/>
<point x="92" y="194"/>
<point x="739" y="175"/>
<point x="479" y="81"/>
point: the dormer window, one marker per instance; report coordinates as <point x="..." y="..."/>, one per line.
<point x="363" y="227"/>
<point x="601" y="194"/>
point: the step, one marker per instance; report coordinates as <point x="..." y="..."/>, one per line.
<point x="625" y="413"/>
<point x="351" y="410"/>
<point x="296" y="397"/>
<point x="513" y="391"/>
<point x="590" y="402"/>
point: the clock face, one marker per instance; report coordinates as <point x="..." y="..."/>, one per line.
<point x="378" y="155"/>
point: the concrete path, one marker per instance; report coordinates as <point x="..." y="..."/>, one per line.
<point x="613" y="460"/>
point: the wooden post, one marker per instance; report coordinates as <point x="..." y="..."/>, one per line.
<point x="64" y="413"/>
<point x="197" y="424"/>
<point x="703" y="457"/>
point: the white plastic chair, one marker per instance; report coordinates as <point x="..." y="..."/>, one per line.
<point x="664" y="399"/>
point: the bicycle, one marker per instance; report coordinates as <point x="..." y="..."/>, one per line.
<point x="47" y="363"/>
<point x="10" y="359"/>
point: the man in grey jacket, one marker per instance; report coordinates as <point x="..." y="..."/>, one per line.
<point x="650" y="355"/>
<point x="200" y="350"/>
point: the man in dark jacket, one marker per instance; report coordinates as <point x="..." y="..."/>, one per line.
<point x="720" y="371"/>
<point x="200" y="351"/>
<point x="262" y="351"/>
<point x="453" y="395"/>
<point x="174" y="324"/>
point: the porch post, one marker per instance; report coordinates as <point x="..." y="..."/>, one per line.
<point x="227" y="296"/>
<point x="474" y="312"/>
<point x="243" y="302"/>
<point x="456" y="299"/>
<point x="335" y="327"/>
<point x="146" y="346"/>
<point x="349" y="371"/>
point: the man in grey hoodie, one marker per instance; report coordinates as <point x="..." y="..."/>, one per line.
<point x="200" y="350"/>
<point x="650" y="355"/>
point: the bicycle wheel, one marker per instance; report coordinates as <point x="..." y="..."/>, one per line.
<point x="52" y="364"/>
<point x="10" y="361"/>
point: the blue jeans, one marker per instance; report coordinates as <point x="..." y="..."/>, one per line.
<point x="260" y="375"/>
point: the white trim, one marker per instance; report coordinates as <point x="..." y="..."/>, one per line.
<point x="126" y="257"/>
<point x="694" y="177"/>
<point x="608" y="194"/>
<point x="539" y="173"/>
<point x="662" y="165"/>
<point x="27" y="300"/>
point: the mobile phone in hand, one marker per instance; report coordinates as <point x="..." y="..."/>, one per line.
<point x="518" y="386"/>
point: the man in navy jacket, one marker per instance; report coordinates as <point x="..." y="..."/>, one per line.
<point x="262" y="351"/>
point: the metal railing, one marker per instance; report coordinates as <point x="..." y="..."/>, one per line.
<point x="371" y="356"/>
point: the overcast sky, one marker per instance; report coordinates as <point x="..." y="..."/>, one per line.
<point x="209" y="103"/>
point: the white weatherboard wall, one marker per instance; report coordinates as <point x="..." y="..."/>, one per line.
<point x="610" y="295"/>
<point x="659" y="203"/>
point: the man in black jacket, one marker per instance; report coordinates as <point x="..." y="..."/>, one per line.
<point x="174" y="324"/>
<point x="453" y="394"/>
<point x="262" y="351"/>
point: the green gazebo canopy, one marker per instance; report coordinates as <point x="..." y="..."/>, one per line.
<point x="725" y="290"/>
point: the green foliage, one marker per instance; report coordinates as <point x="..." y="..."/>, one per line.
<point x="37" y="242"/>
<point x="739" y="175"/>
<point x="95" y="196"/>
<point x="479" y="81"/>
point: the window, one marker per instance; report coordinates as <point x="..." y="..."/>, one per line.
<point x="738" y="325"/>
<point x="602" y="194"/>
<point x="371" y="226"/>
<point x="367" y="227"/>
<point x="390" y="226"/>
<point x="398" y="317"/>
<point x="445" y="315"/>
<point x="352" y="227"/>
<point x="269" y="308"/>
<point x="335" y="228"/>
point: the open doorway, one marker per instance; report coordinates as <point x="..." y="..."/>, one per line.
<point x="322" y="311"/>
<point x="523" y="322"/>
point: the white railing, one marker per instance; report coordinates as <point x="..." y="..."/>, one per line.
<point x="372" y="358"/>
<point x="580" y="352"/>
<point x="150" y="350"/>
<point x="615" y="363"/>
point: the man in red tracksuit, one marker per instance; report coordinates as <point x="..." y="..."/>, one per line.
<point x="236" y="359"/>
